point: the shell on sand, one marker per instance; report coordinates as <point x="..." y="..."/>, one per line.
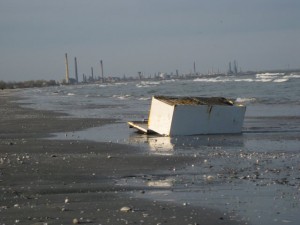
<point x="125" y="209"/>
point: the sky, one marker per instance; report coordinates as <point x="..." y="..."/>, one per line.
<point x="149" y="36"/>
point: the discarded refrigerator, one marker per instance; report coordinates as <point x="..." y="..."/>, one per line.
<point x="171" y="116"/>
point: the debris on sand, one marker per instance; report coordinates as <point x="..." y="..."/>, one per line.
<point x="125" y="209"/>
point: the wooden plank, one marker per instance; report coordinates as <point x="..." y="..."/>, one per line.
<point x="140" y="126"/>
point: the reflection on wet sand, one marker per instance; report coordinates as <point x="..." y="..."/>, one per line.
<point x="169" y="145"/>
<point x="161" y="183"/>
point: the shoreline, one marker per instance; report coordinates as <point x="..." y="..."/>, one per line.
<point x="56" y="181"/>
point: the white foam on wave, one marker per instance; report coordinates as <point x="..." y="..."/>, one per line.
<point x="245" y="100"/>
<point x="120" y="84"/>
<point x="280" y="80"/>
<point x="104" y="85"/>
<point x="264" y="80"/>
<point x="244" y="80"/>
<point x="291" y="76"/>
<point x="121" y="97"/>
<point x="147" y="84"/>
<point x="267" y="77"/>
<point x="213" y="80"/>
<point x="262" y="75"/>
<point x="70" y="94"/>
<point x="144" y="98"/>
<point x="223" y="79"/>
<point x="112" y="84"/>
<point x="275" y="77"/>
<point x="167" y="81"/>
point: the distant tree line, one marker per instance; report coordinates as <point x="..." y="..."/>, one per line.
<point x="27" y="84"/>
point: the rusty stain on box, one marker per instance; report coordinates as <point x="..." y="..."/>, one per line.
<point x="171" y="116"/>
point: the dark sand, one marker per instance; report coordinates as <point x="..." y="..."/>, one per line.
<point x="64" y="182"/>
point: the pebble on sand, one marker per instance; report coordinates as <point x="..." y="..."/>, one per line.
<point x="67" y="200"/>
<point x="209" y="178"/>
<point x="125" y="209"/>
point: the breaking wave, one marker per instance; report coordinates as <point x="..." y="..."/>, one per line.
<point x="272" y="77"/>
<point x="223" y="79"/>
<point x="144" y="98"/>
<point x="260" y="77"/>
<point x="143" y="84"/>
<point x="280" y="80"/>
<point x="245" y="100"/>
<point x="121" y="97"/>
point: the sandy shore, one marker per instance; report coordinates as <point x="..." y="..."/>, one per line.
<point x="65" y="182"/>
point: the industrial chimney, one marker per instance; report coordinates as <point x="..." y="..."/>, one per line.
<point x="102" y="75"/>
<point x="67" y="68"/>
<point x="76" y="71"/>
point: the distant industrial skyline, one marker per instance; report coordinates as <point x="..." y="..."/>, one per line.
<point x="147" y="36"/>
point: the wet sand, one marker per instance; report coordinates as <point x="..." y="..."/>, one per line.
<point x="46" y="181"/>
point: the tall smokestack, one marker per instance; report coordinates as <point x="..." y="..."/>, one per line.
<point x="102" y="75"/>
<point x="76" y="72"/>
<point x="229" y="69"/>
<point x="194" y="67"/>
<point x="67" y="68"/>
<point x="235" y="67"/>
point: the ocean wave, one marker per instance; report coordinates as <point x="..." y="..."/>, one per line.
<point x="144" y="98"/>
<point x="291" y="76"/>
<point x="268" y="75"/>
<point x="120" y="83"/>
<point x="167" y="81"/>
<point x="244" y="80"/>
<point x="213" y="80"/>
<point x="245" y="100"/>
<point x="105" y="85"/>
<point x="112" y="84"/>
<point x="271" y="77"/>
<point x="70" y="94"/>
<point x="280" y="80"/>
<point x="264" y="78"/>
<point x="147" y="84"/>
<point x="223" y="79"/>
<point x="121" y="97"/>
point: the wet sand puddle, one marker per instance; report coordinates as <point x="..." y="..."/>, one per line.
<point x="254" y="177"/>
<point x="258" y="188"/>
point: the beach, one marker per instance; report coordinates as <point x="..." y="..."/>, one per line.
<point x="47" y="181"/>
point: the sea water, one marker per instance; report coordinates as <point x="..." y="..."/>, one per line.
<point x="269" y="94"/>
<point x="254" y="175"/>
<point x="272" y="101"/>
